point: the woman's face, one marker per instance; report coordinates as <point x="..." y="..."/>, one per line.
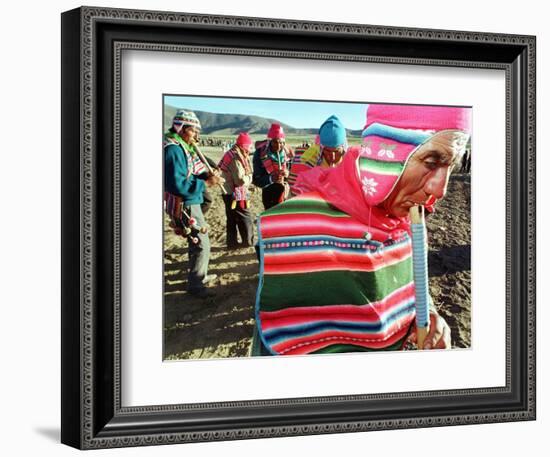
<point x="426" y="173"/>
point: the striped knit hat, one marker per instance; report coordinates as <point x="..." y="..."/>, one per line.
<point x="391" y="136"/>
<point x="185" y="118"/>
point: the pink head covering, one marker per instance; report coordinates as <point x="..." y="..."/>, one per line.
<point x="393" y="133"/>
<point x="419" y="117"/>
<point x="369" y="172"/>
<point x="244" y="140"/>
<point x="275" y="131"/>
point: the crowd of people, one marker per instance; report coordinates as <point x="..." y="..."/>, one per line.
<point x="334" y="239"/>
<point x="214" y="142"/>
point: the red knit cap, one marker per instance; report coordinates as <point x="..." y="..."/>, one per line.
<point x="275" y="132"/>
<point x="244" y="140"/>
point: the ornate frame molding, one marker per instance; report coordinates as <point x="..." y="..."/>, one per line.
<point x="92" y="432"/>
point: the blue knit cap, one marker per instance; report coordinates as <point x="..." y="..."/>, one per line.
<point x="332" y="133"/>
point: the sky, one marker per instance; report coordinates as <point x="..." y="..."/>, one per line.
<point x="297" y="114"/>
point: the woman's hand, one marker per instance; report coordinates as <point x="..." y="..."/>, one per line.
<point x="439" y="336"/>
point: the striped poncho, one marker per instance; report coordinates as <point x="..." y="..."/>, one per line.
<point x="326" y="287"/>
<point x="297" y="166"/>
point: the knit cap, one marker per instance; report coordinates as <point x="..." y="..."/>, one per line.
<point x="244" y="140"/>
<point x="275" y="132"/>
<point x="185" y="118"/>
<point x="332" y="133"/>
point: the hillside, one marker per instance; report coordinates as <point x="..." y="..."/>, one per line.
<point x="218" y="124"/>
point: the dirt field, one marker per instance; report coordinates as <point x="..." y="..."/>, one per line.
<point x="222" y="326"/>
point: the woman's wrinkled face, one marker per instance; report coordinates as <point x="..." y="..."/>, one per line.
<point x="426" y="173"/>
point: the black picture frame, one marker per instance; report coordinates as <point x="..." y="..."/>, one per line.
<point x="92" y="42"/>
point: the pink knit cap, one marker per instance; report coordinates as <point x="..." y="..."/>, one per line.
<point x="276" y="132"/>
<point x="244" y="140"/>
<point x="420" y="117"/>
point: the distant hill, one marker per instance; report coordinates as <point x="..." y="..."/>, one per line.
<point x="218" y="124"/>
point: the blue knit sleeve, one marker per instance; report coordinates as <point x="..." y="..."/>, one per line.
<point x="176" y="181"/>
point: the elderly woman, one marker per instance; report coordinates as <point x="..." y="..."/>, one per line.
<point x="336" y="262"/>
<point x="237" y="172"/>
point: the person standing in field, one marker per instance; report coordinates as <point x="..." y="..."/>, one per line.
<point x="185" y="178"/>
<point x="466" y="162"/>
<point x="271" y="162"/>
<point x="236" y="169"/>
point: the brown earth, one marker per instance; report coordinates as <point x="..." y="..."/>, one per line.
<point x="449" y="235"/>
<point x="222" y="326"/>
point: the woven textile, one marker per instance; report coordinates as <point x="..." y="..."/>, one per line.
<point x="297" y="166"/>
<point x="326" y="287"/>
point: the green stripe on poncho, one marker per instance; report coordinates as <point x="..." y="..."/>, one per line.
<point x="325" y="287"/>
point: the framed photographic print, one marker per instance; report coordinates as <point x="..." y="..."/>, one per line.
<point x="275" y="228"/>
